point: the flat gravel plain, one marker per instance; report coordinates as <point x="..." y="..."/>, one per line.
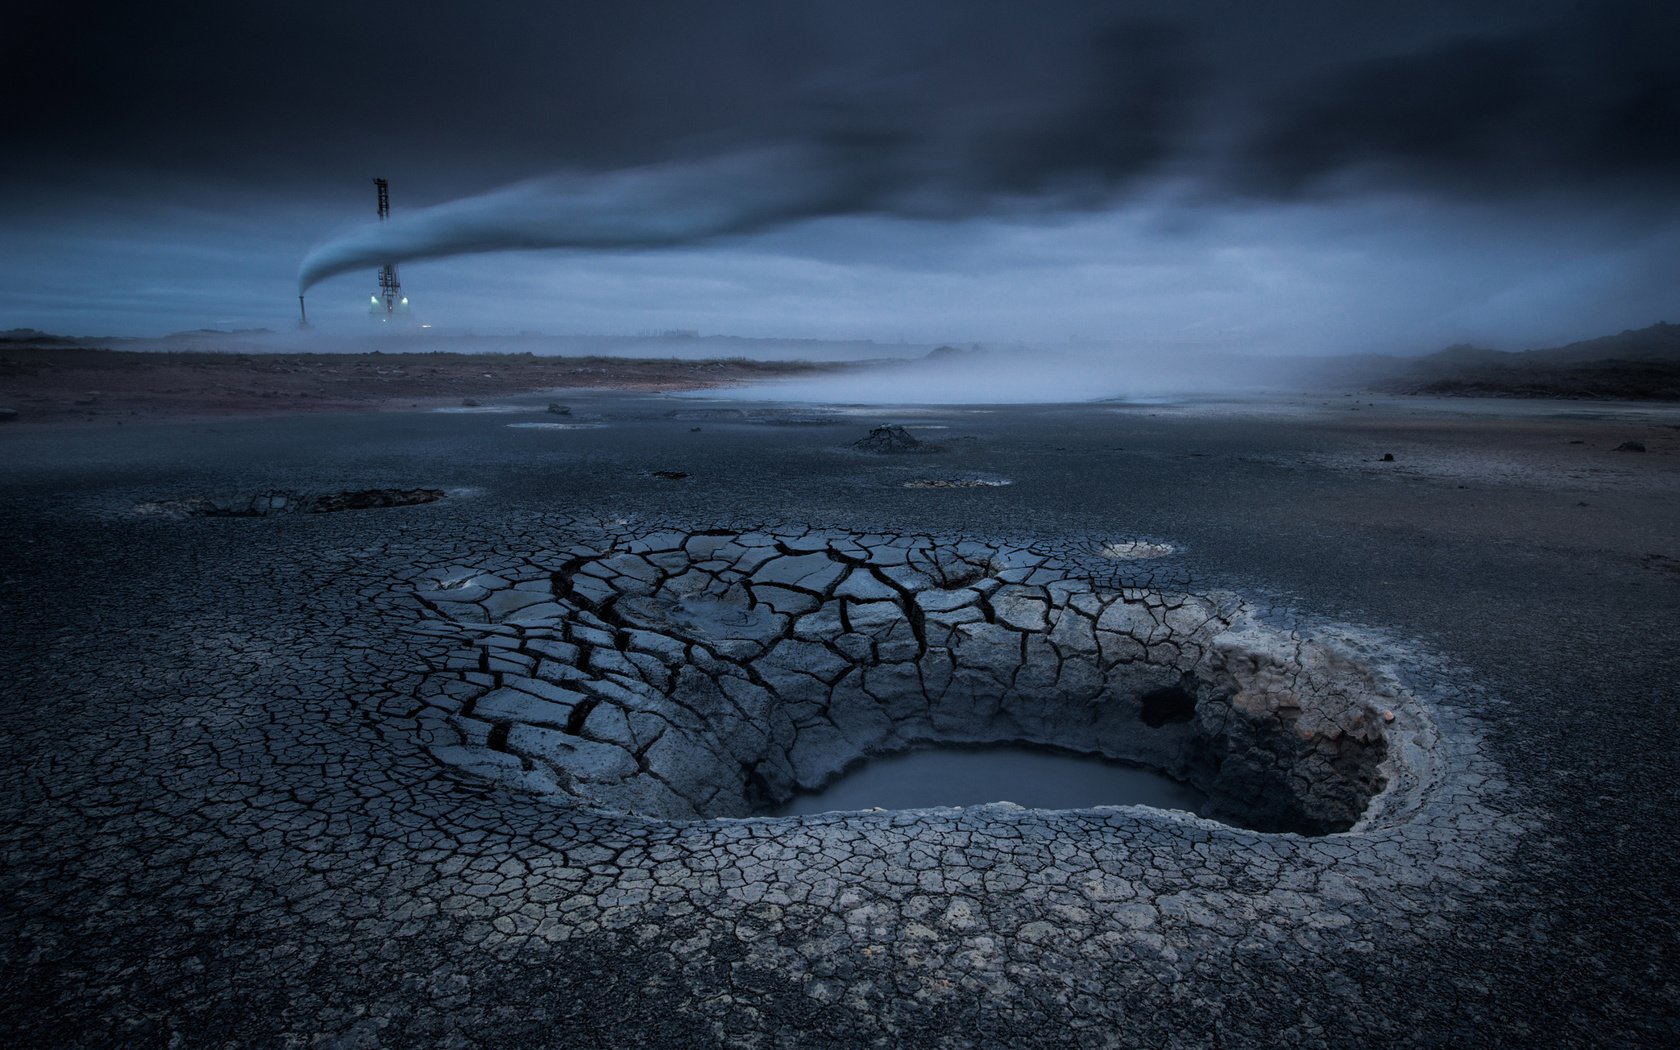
<point x="226" y="821"/>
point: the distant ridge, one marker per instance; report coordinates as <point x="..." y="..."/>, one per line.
<point x="1659" y="342"/>
<point x="36" y="337"/>
<point x="1635" y="364"/>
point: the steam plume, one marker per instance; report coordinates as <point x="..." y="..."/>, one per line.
<point x="651" y="207"/>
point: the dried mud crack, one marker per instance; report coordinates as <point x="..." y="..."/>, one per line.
<point x="703" y="674"/>
<point x="449" y="778"/>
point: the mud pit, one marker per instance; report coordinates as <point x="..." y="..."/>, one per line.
<point x="697" y="675"/>
<point x="267" y="504"/>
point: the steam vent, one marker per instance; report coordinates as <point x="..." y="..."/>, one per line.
<point x="691" y="675"/>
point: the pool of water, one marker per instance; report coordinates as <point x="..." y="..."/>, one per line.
<point x="967" y="776"/>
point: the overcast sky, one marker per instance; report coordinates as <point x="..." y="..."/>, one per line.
<point x="1310" y="175"/>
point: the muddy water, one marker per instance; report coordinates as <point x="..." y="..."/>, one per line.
<point x="962" y="776"/>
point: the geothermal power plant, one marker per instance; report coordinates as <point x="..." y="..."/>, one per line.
<point x="386" y="303"/>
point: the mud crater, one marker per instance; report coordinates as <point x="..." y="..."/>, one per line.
<point x="696" y="675"/>
<point x="275" y="501"/>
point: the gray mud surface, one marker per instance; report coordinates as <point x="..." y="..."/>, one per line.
<point x="246" y="803"/>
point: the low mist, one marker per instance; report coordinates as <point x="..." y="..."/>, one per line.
<point x="1025" y="375"/>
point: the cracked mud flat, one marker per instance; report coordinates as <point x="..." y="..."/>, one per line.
<point x="278" y="780"/>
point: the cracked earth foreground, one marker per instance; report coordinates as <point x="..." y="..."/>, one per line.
<point x="487" y="770"/>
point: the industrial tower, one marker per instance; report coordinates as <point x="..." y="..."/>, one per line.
<point x="390" y="297"/>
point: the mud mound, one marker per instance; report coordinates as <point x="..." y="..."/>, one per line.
<point x="889" y="440"/>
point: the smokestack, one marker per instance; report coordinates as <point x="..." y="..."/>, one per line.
<point x="390" y="287"/>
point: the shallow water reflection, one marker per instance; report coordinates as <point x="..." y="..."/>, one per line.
<point x="965" y="776"/>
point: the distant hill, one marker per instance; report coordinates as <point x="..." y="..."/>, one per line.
<point x="1637" y="364"/>
<point x="34" y="337"/>
<point x="1660" y="342"/>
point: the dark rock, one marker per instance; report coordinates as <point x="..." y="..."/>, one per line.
<point x="671" y="475"/>
<point x="8" y="414"/>
<point x="558" y="409"/>
<point x="888" y="439"/>
<point x="1388" y="457"/>
<point x="469" y="402"/>
<point x="1631" y="446"/>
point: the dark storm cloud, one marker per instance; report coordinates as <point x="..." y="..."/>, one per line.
<point x="497" y="88"/>
<point x="981" y="97"/>
<point x="1127" y="117"/>
<point x="1593" y="99"/>
<point x="657" y="124"/>
<point x="1063" y="120"/>
<point x="1066" y="120"/>
<point x="466" y="94"/>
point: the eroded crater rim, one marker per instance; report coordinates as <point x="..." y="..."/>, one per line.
<point x="709" y="674"/>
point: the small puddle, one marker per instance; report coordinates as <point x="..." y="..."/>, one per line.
<point x="971" y="776"/>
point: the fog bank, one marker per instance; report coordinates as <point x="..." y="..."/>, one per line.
<point x="1028" y="375"/>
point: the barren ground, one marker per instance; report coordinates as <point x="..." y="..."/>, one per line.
<point x="62" y="384"/>
<point x="243" y="800"/>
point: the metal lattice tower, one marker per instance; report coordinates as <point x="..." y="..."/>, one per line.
<point x="390" y="288"/>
